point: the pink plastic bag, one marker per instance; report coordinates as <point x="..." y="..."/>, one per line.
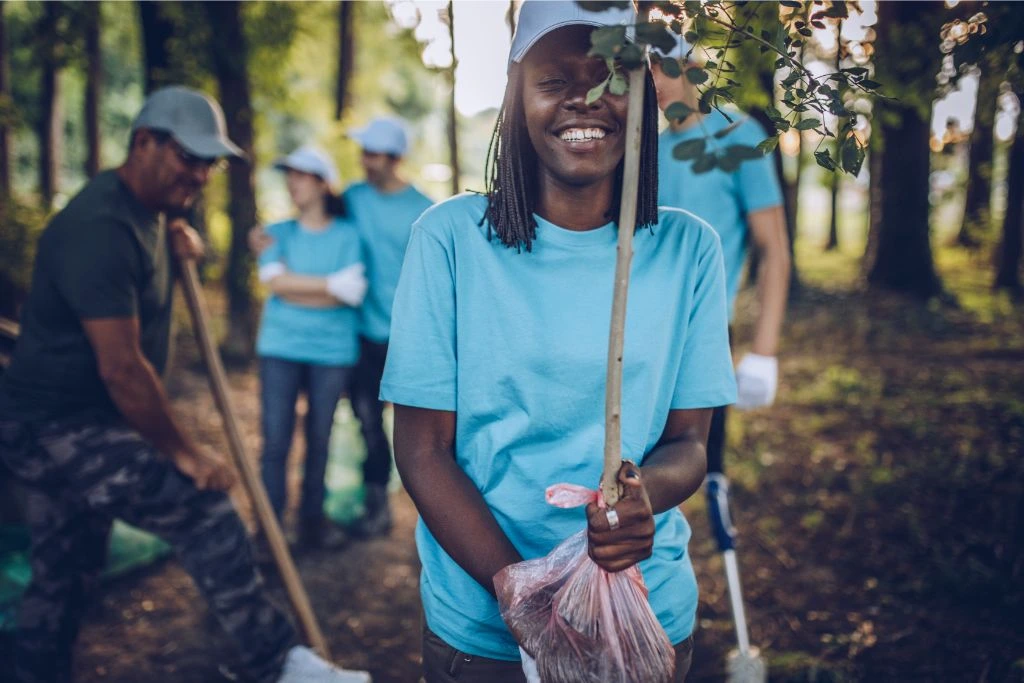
<point x="581" y="623"/>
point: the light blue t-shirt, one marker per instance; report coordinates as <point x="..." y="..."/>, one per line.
<point x="517" y="344"/>
<point x="324" y="336"/>
<point x="384" y="222"/>
<point x="722" y="199"/>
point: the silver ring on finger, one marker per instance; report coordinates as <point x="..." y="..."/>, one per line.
<point x="613" y="518"/>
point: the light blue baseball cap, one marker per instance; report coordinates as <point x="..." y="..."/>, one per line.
<point x="312" y="160"/>
<point x="537" y="18"/>
<point x="383" y="135"/>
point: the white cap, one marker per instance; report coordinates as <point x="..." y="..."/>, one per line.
<point x="383" y="135"/>
<point x="309" y="159"/>
<point x="537" y="18"/>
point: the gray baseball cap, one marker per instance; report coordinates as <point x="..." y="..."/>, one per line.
<point x="194" y="120"/>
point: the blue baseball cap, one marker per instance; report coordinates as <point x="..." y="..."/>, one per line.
<point x="312" y="160"/>
<point x="537" y="18"/>
<point x="383" y="135"/>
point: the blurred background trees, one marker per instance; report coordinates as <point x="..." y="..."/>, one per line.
<point x="72" y="75"/>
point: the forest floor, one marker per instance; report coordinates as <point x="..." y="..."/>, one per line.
<point x="879" y="503"/>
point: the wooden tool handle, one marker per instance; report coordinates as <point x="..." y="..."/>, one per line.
<point x="253" y="485"/>
<point x="610" y="487"/>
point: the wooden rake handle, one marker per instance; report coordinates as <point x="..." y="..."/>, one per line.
<point x="253" y="485"/>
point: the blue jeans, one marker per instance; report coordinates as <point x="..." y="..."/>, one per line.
<point x="280" y="383"/>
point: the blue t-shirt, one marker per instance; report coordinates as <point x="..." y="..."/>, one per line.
<point x="306" y="334"/>
<point x="384" y="222"/>
<point x="722" y="199"/>
<point x="517" y="344"/>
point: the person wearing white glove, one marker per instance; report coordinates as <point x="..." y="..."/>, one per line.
<point x="348" y="285"/>
<point x="308" y="341"/>
<point x="757" y="379"/>
<point x="745" y="207"/>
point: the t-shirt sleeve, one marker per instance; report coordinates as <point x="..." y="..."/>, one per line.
<point x="421" y="364"/>
<point x="706" y="378"/>
<point x="100" y="277"/>
<point x="757" y="182"/>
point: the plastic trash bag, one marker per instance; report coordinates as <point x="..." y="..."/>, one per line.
<point x="580" y="623"/>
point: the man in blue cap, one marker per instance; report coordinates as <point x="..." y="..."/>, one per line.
<point x="384" y="207"/>
<point x="84" y="416"/>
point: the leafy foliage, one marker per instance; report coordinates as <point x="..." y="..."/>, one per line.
<point x="722" y="28"/>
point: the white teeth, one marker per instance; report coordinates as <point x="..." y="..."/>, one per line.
<point x="581" y="134"/>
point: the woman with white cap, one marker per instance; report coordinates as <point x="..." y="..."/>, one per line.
<point x="308" y="338"/>
<point x="498" y="350"/>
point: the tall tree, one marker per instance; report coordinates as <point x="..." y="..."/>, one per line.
<point x="834" y="180"/>
<point x="50" y="129"/>
<point x="977" y="212"/>
<point x="230" y="55"/>
<point x="907" y="60"/>
<point x="6" y="113"/>
<point x="453" y="117"/>
<point x="1011" y="250"/>
<point x="157" y="31"/>
<point x="94" y="70"/>
<point x="346" y="56"/>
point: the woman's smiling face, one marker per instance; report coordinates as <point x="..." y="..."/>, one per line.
<point x="577" y="144"/>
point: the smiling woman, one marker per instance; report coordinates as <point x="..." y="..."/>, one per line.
<point x="578" y="145"/>
<point x="499" y="345"/>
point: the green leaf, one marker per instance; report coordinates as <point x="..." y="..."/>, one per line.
<point x="689" y="149"/>
<point x="807" y="124"/>
<point x="607" y="41"/>
<point x="790" y="3"/>
<point x="691" y="37"/>
<point x="677" y="111"/>
<point x="745" y="152"/>
<point x="618" y="85"/>
<point x="851" y="155"/>
<point x="594" y="94"/>
<point x="670" y="66"/>
<point x="825" y="160"/>
<point x="632" y="56"/>
<point x="705" y="163"/>
<point x="837" y="10"/>
<point x="870" y="85"/>
<point x="856" y="71"/>
<point x="768" y="145"/>
<point x="696" y="75"/>
<point x="656" y="34"/>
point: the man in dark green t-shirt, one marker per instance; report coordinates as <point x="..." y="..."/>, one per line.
<point x="85" y="420"/>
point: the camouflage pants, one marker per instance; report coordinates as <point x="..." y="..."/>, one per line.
<point x="83" y="473"/>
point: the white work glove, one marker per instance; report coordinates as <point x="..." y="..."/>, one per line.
<point x="348" y="285"/>
<point x="757" y="379"/>
<point x="529" y="667"/>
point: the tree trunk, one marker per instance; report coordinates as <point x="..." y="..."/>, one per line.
<point x="50" y="129"/>
<point x="156" y="32"/>
<point x="346" y="56"/>
<point x="230" y="58"/>
<point x="902" y="255"/>
<point x="1012" y="247"/>
<point x="5" y="105"/>
<point x="94" y="70"/>
<point x="977" y="213"/>
<point x="453" y="121"/>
